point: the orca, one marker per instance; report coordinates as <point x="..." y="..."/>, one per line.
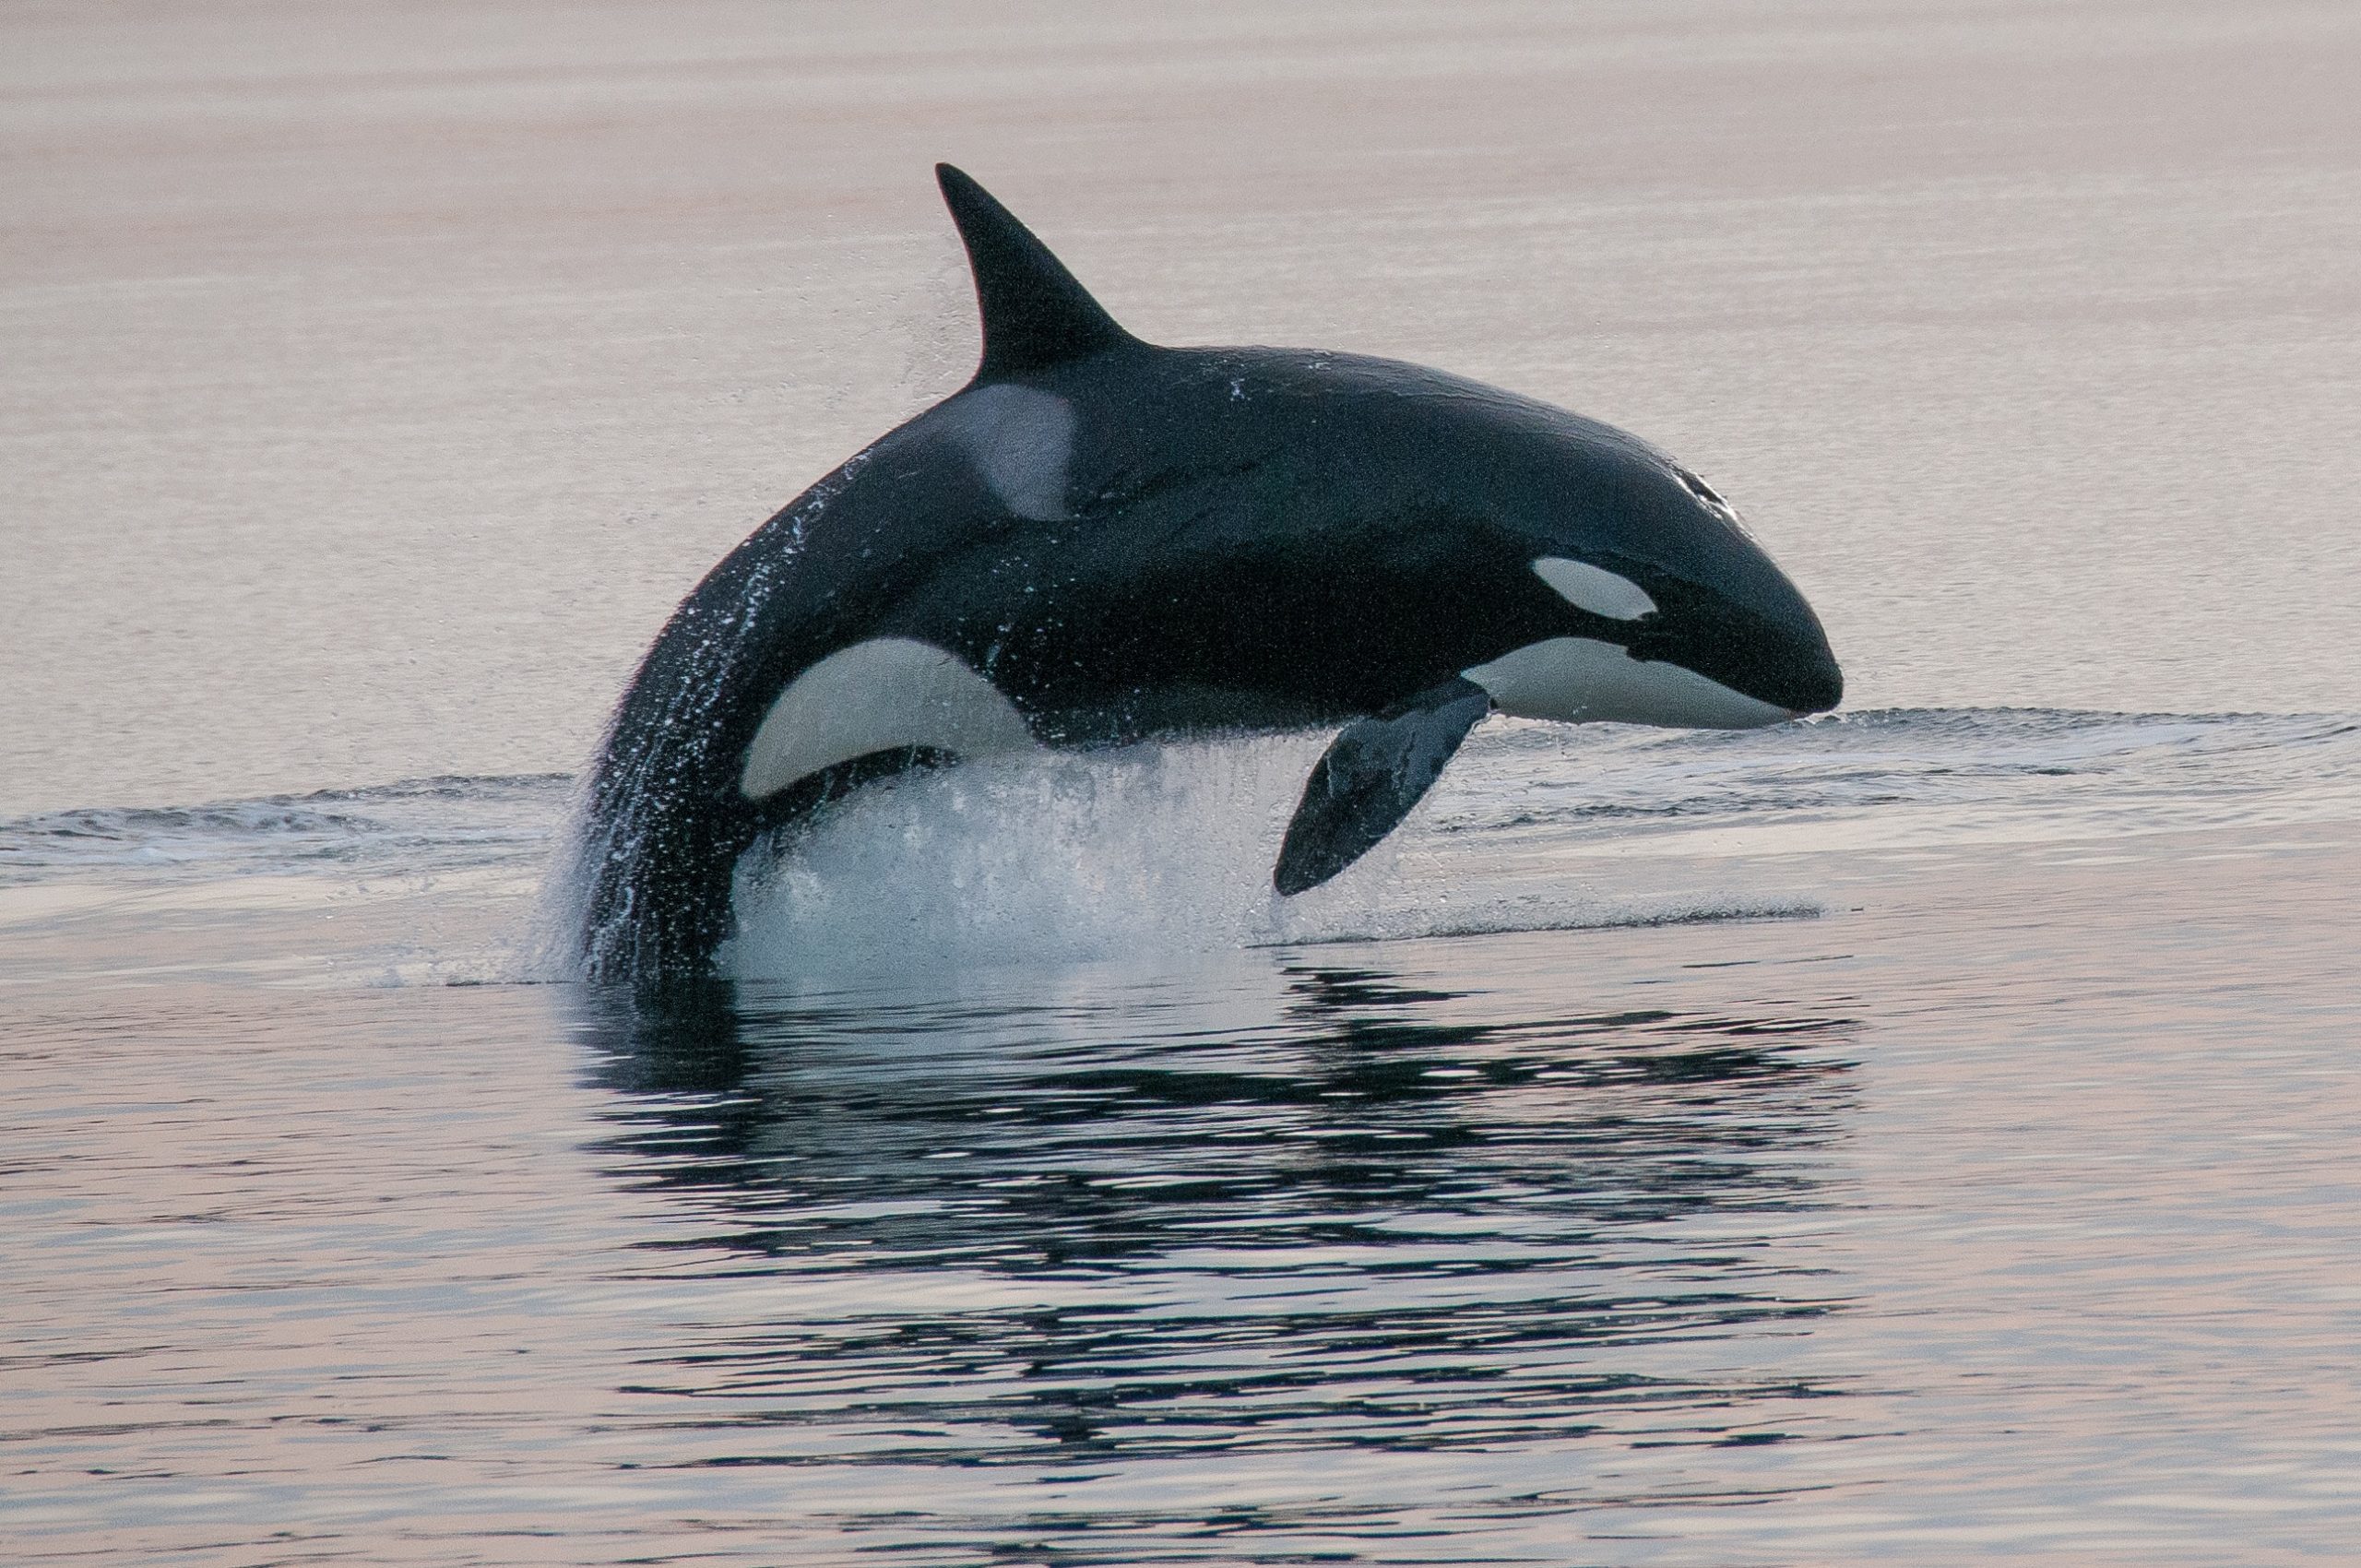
<point x="1099" y="542"/>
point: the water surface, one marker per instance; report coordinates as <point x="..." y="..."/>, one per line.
<point x="1912" y="1135"/>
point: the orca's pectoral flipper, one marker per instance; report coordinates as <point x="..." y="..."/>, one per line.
<point x="1370" y="777"/>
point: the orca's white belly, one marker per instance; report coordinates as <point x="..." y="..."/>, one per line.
<point x="1577" y="680"/>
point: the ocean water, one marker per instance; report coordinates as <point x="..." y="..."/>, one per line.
<point x="1914" y="1135"/>
<point x="1927" y="1134"/>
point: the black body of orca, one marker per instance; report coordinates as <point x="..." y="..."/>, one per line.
<point x="1098" y="541"/>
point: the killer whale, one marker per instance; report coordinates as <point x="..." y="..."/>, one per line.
<point x="1098" y="541"/>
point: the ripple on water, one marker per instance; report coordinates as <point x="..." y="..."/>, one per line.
<point x="1363" y="1225"/>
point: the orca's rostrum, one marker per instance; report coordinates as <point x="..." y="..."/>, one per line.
<point x="1098" y="541"/>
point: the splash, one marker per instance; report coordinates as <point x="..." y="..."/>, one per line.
<point x="1058" y="858"/>
<point x="1146" y="852"/>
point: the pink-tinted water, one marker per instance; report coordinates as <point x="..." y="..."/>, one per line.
<point x="1925" y="1135"/>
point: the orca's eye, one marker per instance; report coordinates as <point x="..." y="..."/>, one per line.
<point x="1594" y="589"/>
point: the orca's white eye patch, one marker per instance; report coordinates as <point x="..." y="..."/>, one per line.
<point x="1594" y="589"/>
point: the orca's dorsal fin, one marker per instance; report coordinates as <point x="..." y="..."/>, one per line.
<point x="1035" y="315"/>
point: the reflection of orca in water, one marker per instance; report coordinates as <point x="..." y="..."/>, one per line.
<point x="1098" y="540"/>
<point x="1283" y="1208"/>
<point x="1259" y="1085"/>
